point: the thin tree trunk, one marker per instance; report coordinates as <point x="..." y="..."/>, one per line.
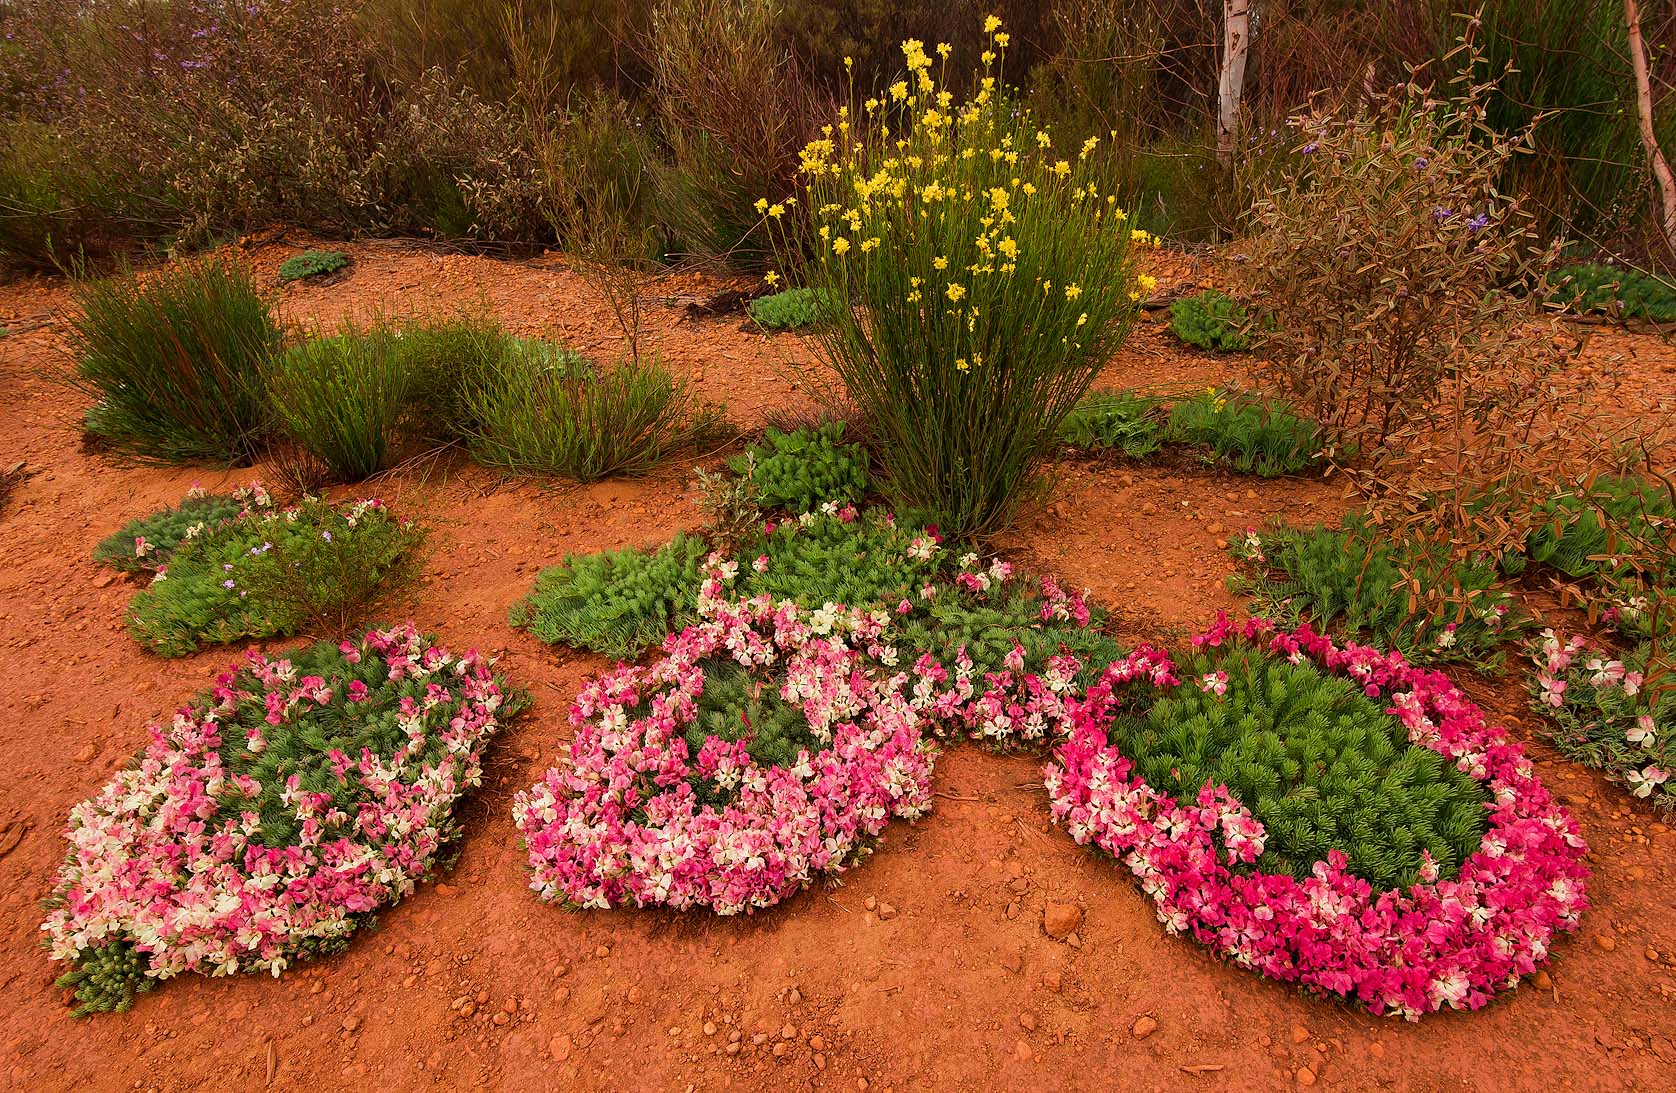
<point x="1230" y="86"/>
<point x="1649" y="136"/>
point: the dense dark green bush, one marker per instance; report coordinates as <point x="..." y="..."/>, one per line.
<point x="988" y="627"/>
<point x="270" y="574"/>
<point x="1211" y="320"/>
<point x="740" y="705"/>
<point x="1575" y="540"/>
<point x="791" y="309"/>
<point x="1248" y="434"/>
<point x="1320" y="764"/>
<point x="1625" y="293"/>
<point x="616" y="602"/>
<point x="341" y="398"/>
<point x="547" y="410"/>
<point x="819" y="560"/>
<point x="312" y="263"/>
<point x="176" y="361"/>
<point x="1122" y="420"/>
<point x="803" y="469"/>
<point x="1354" y="582"/>
<point x="147" y="543"/>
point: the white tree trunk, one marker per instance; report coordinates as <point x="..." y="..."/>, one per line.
<point x="1649" y="136"/>
<point x="1236" y="39"/>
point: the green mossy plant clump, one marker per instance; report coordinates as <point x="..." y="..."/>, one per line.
<point x="1244" y="432"/>
<point x="147" y="543"/>
<point x="1322" y="766"/>
<point x="616" y="602"/>
<point x="269" y="573"/>
<point x="312" y="263"/>
<point x="867" y="561"/>
<point x="1114" y="420"/>
<point x="1211" y="320"/>
<point x="1351" y="581"/>
<point x="793" y="309"/>
<point x="989" y="626"/>
<point x="738" y="705"/>
<point x="801" y="470"/>
<point x="1625" y="293"/>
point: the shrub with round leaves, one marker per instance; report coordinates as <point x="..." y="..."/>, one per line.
<point x="312" y="263"/>
<point x="801" y="470"/>
<point x="1211" y="320"/>
<point x="272" y="816"/>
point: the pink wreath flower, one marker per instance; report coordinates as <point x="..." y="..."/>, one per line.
<point x="1439" y="944"/>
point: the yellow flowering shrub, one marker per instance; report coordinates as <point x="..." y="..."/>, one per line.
<point x="983" y="279"/>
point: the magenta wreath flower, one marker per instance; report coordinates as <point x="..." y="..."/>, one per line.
<point x="1443" y="941"/>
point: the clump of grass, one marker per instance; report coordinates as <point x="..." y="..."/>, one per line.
<point x="176" y="362"/>
<point x="1248" y="434"/>
<point x="341" y="398"/>
<point x="312" y="263"/>
<point x="548" y="411"/>
<point x="147" y="543"/>
<point x="1211" y="320"/>
<point x="1120" y="420"/>
<point x="619" y="602"/>
<point x="271" y="573"/>
<point x="793" y="308"/>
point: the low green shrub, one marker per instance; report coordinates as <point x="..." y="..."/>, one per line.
<point x="147" y="543"/>
<point x="175" y="361"/>
<point x="793" y="308"/>
<point x="1211" y="320"/>
<point x="1322" y="766"/>
<point x="341" y="398"/>
<point x="988" y="627"/>
<point x="618" y="602"/>
<point x="547" y="410"/>
<point x="737" y="705"/>
<point x="1118" y="420"/>
<point x="1353" y="582"/>
<point x="1575" y="537"/>
<point x="312" y="263"/>
<point x="1627" y="293"/>
<point x="270" y="573"/>
<point x="803" y="469"/>
<point x="864" y="561"/>
<point x="1248" y="434"/>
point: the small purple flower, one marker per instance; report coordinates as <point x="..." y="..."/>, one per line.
<point x="1478" y="223"/>
<point x="1442" y="213"/>
<point x="1309" y="149"/>
<point x="326" y="535"/>
<point x="227" y="584"/>
<point x="1420" y="163"/>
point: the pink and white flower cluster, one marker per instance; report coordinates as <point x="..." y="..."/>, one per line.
<point x="1441" y="943"/>
<point x="1605" y="714"/>
<point x="622" y="820"/>
<point x="169" y="855"/>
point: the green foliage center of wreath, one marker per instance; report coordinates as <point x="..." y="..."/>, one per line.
<point x="1320" y="764"/>
<point x="801" y="470"/>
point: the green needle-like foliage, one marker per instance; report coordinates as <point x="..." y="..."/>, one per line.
<point x="341" y="398"/>
<point x="989" y="628"/>
<point x="619" y="602"/>
<point x="271" y="574"/>
<point x="863" y="563"/>
<point x="1353" y="582"/>
<point x="175" y="362"/>
<point x="737" y="705"/>
<point x="1106" y="420"/>
<point x="802" y="470"/>
<point x="164" y="531"/>
<point x="1249" y="435"/>
<point x="312" y="263"/>
<point x="553" y="413"/>
<point x="793" y="308"/>
<point x="1211" y="320"/>
<point x="1627" y="293"/>
<point x="1320" y="764"/>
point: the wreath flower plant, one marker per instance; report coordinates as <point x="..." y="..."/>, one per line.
<point x="1441" y="942"/>
<point x="267" y="821"/>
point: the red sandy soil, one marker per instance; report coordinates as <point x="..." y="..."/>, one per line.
<point x="928" y="968"/>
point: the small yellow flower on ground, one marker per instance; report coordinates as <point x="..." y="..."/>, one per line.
<point x="956" y="293"/>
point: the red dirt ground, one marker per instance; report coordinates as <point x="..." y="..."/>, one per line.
<point x="927" y="969"/>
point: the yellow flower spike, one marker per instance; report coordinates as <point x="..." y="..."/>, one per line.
<point x="840" y="246"/>
<point x="991" y="24"/>
<point x="944" y="49"/>
<point x="762" y="205"/>
<point x="899" y="90"/>
<point x="1147" y="281"/>
<point x="955" y="292"/>
<point x="771" y="277"/>
<point x="1002" y="39"/>
<point x="849" y="62"/>
<point x="987" y="57"/>
<point x="939" y="263"/>
<point x="1062" y="168"/>
<point x="960" y="364"/>
<point x="1088" y="146"/>
<point x="1072" y="291"/>
<point x="1029" y="188"/>
<point x="776" y="210"/>
<point x="1043" y="139"/>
